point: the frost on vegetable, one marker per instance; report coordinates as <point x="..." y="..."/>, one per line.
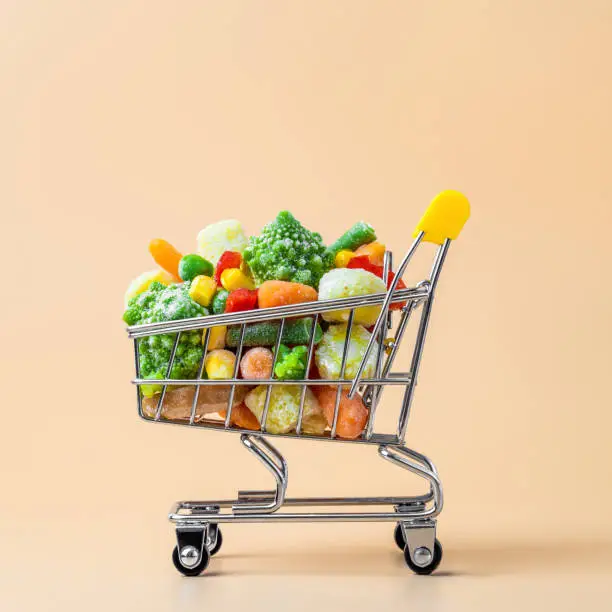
<point x="219" y="364"/>
<point x="219" y="237"/>
<point x="142" y="283"/>
<point x="348" y="282"/>
<point x="359" y="234"/>
<point x="284" y="409"/>
<point x="291" y="363"/>
<point x="287" y="251"/>
<point x="161" y="304"/>
<point x="328" y="355"/>
<point x="257" y="363"/>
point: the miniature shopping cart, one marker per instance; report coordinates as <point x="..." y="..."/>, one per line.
<point x="197" y="522"/>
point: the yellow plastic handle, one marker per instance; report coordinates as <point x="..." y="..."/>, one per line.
<point x="444" y="217"/>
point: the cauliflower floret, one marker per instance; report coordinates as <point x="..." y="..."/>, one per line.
<point x="143" y="282"/>
<point x="349" y="282"/>
<point x="328" y="355"/>
<point x="284" y="408"/>
<point x="219" y="237"/>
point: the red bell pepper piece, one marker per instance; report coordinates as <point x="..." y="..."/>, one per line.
<point x="229" y="259"/>
<point x="363" y="262"/>
<point x="241" y="299"/>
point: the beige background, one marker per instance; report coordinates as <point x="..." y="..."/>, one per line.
<point x="123" y="121"/>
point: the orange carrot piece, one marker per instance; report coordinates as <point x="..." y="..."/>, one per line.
<point x="242" y="417"/>
<point x="374" y="251"/>
<point x="352" y="414"/>
<point x="166" y="256"/>
<point x="282" y="293"/>
<point x="257" y="363"/>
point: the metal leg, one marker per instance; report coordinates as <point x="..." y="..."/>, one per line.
<point x="197" y="522"/>
<point x="276" y="463"/>
<point x="417" y="536"/>
<point x="262" y="506"/>
<point x="418" y="464"/>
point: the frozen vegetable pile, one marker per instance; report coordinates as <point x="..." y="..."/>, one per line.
<point x="285" y="264"/>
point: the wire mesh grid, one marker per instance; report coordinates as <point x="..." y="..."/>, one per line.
<point x="385" y="340"/>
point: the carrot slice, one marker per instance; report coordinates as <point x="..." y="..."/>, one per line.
<point x="166" y="256"/>
<point x="282" y="293"/>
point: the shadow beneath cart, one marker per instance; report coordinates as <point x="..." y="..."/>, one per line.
<point x="353" y="561"/>
<point x="485" y="560"/>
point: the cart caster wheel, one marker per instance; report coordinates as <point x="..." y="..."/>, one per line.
<point x="398" y="535"/>
<point x="188" y="556"/>
<point x="430" y="562"/>
<point x="217" y="547"/>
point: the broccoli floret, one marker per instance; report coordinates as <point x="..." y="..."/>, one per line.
<point x="159" y="304"/>
<point x="287" y="251"/>
<point x="291" y="363"/>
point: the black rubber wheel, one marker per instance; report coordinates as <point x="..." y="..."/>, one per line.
<point x="217" y="547"/>
<point x="196" y="570"/>
<point x="428" y="569"/>
<point x="398" y="534"/>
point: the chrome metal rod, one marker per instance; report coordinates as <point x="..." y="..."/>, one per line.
<point x="162" y="395"/>
<point x="399" y="333"/>
<point x="372" y="395"/>
<point x="230" y="399"/>
<point x="278" y="312"/>
<point x="382" y="317"/>
<point x="303" y="517"/>
<point x="388" y="262"/>
<point x="324" y="501"/>
<point x="137" y="364"/>
<point x="196" y="393"/>
<point x="420" y="340"/>
<point x="258" y="506"/>
<point x="406" y="458"/>
<point x="345" y="351"/>
<point x="276" y="464"/>
<point x="264" y="415"/>
<point x="311" y="342"/>
<point x="399" y="378"/>
<point x="438" y="263"/>
<point x="243" y="496"/>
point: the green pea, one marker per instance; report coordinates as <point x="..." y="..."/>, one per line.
<point x="193" y="265"/>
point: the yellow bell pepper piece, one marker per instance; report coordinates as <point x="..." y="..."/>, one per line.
<point x="445" y="217"/>
<point x="343" y="257"/>
<point x="235" y="278"/>
<point x="202" y="290"/>
<point x="220" y="364"/>
<point x="217" y="337"/>
<point x="374" y="251"/>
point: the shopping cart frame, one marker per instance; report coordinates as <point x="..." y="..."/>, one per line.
<point x="198" y="535"/>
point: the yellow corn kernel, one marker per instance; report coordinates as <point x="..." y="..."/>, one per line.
<point x="202" y="290"/>
<point x="343" y="257"/>
<point x="220" y="364"/>
<point x="235" y="278"/>
<point x="217" y="337"/>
